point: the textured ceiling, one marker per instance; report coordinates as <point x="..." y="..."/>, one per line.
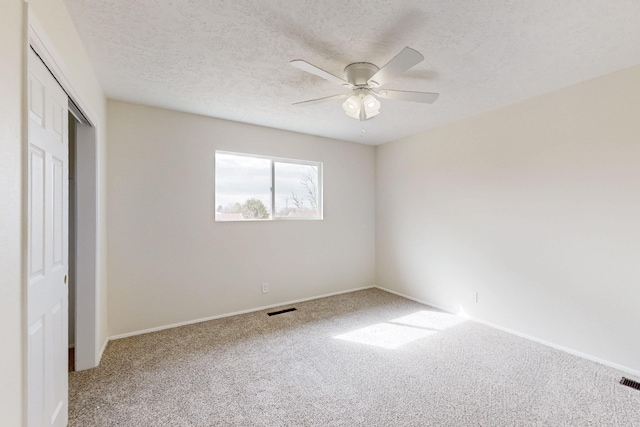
<point x="230" y="59"/>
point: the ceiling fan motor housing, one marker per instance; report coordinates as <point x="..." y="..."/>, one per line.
<point x="359" y="73"/>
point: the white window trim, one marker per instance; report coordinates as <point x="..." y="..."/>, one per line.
<point x="273" y="160"/>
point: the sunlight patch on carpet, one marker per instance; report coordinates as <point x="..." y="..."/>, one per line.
<point x="403" y="330"/>
<point x="386" y="335"/>
<point x="430" y="319"/>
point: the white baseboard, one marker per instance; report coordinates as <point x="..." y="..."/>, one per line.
<point x="523" y="335"/>
<point x="561" y="348"/>
<point x="220" y="316"/>
<point x="430" y="304"/>
<point x="104" y="347"/>
<point x="448" y="310"/>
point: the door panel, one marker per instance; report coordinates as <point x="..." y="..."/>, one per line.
<point x="36" y="213"/>
<point x="36" y="101"/>
<point x="36" y="376"/>
<point x="47" y="213"/>
<point x="58" y="211"/>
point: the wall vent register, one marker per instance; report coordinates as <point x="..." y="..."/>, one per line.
<point x="286" y="310"/>
<point x="630" y="383"/>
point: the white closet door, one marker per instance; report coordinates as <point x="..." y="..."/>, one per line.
<point x="47" y="248"/>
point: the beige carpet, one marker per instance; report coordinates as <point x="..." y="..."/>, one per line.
<point x="366" y="358"/>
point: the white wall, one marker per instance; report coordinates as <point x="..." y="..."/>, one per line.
<point x="170" y="262"/>
<point x="53" y="16"/>
<point x="535" y="206"/>
<point x="10" y="212"/>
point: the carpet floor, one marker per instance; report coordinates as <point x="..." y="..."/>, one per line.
<point x="367" y="358"/>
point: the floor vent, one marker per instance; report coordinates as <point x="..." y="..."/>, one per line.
<point x="630" y="383"/>
<point x="273" y="313"/>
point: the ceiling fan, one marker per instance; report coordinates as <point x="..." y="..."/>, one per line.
<point x="365" y="80"/>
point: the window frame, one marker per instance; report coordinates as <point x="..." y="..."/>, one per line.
<point x="272" y="187"/>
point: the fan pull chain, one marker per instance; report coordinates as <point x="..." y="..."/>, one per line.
<point x="361" y="131"/>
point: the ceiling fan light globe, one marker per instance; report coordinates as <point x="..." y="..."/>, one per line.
<point x="371" y="105"/>
<point x="352" y="106"/>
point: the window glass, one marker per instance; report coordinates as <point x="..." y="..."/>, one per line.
<point x="296" y="187"/>
<point x="243" y="187"/>
<point x="261" y="188"/>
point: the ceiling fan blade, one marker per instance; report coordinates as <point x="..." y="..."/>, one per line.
<point x="310" y="68"/>
<point x="319" y="100"/>
<point x="400" y="63"/>
<point x="407" y="95"/>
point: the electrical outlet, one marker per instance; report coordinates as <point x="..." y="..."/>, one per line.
<point x="265" y="288"/>
<point x="474" y="296"/>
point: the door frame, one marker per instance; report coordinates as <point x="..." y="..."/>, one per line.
<point x="88" y="349"/>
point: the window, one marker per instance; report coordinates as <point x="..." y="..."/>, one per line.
<point x="252" y="188"/>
